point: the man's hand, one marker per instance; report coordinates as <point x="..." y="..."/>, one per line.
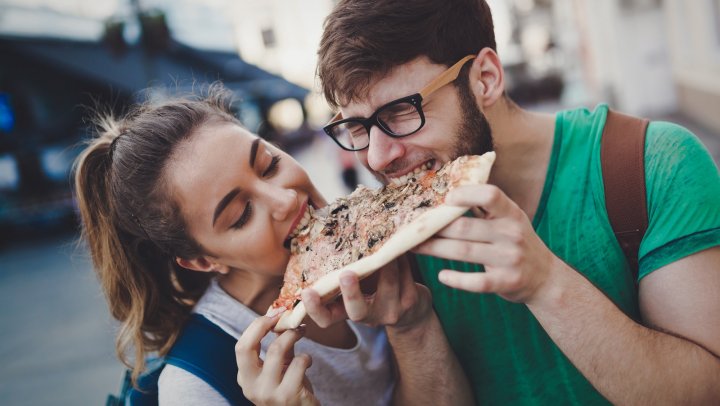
<point x="427" y="370"/>
<point x="398" y="301"/>
<point x="280" y="378"/>
<point x="517" y="263"/>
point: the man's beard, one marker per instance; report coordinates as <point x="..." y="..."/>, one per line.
<point x="473" y="135"/>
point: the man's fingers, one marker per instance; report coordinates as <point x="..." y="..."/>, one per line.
<point x="477" y="252"/>
<point x="469" y="229"/>
<point x="355" y="305"/>
<point x="323" y="315"/>
<point x="388" y="289"/>
<point x="488" y="197"/>
<point x="479" y="282"/>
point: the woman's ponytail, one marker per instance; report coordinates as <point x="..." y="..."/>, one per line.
<point x="100" y="231"/>
<point x="133" y="227"/>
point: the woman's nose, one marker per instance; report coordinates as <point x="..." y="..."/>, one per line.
<point x="283" y="203"/>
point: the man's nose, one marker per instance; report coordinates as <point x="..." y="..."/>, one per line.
<point x="383" y="150"/>
<point x="283" y="202"/>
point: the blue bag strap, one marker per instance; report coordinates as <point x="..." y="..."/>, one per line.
<point x="208" y="352"/>
<point x="146" y="393"/>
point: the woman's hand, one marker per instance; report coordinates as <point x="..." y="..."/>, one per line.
<point x="279" y="379"/>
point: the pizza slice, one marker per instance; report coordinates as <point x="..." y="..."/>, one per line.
<point x="369" y="228"/>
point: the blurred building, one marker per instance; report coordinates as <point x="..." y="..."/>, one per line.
<point x="282" y="36"/>
<point x="693" y="30"/>
<point x="646" y="57"/>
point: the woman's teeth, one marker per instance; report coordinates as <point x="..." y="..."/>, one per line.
<point x="418" y="173"/>
<point x="304" y="221"/>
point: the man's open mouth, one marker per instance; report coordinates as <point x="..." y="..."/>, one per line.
<point x="415" y="174"/>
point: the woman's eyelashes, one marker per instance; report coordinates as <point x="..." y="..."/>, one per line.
<point x="272" y="168"/>
<point x="244" y="217"/>
<point x="268" y="172"/>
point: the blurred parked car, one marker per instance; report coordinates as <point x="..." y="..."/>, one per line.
<point x="48" y="87"/>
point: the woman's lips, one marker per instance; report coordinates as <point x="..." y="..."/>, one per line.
<point x="298" y="218"/>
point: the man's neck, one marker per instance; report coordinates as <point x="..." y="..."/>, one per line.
<point x="523" y="143"/>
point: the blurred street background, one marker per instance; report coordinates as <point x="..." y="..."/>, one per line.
<point x="654" y="58"/>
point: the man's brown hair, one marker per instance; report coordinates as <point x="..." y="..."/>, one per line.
<point x="365" y="39"/>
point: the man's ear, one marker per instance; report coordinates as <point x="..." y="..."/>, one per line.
<point x="487" y="78"/>
<point x="202" y="264"/>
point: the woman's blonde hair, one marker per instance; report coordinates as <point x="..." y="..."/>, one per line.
<point x="132" y="224"/>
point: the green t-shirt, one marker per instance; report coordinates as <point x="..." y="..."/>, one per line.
<point x="506" y="354"/>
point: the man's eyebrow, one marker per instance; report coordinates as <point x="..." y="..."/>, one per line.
<point x="224" y="203"/>
<point x="253" y="152"/>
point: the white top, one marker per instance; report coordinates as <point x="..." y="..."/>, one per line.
<point x="361" y="375"/>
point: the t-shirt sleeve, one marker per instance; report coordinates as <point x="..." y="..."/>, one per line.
<point x="683" y="194"/>
<point x="178" y="387"/>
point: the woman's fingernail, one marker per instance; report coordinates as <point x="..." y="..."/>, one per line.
<point x="274" y="312"/>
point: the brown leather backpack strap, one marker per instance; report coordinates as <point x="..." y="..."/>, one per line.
<point x="622" y="156"/>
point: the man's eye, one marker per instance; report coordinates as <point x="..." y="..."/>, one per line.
<point x="244" y="217"/>
<point x="360" y="132"/>
<point x="272" y="168"/>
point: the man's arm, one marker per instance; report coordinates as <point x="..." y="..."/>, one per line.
<point x="676" y="361"/>
<point x="427" y="371"/>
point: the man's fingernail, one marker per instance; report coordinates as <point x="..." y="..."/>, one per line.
<point x="346" y="280"/>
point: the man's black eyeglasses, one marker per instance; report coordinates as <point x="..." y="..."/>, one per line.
<point x="398" y="118"/>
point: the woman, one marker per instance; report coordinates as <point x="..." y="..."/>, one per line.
<point x="186" y="211"/>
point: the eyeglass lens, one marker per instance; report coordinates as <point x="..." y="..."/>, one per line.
<point x="397" y="119"/>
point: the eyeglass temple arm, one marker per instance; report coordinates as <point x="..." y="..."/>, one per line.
<point x="336" y="117"/>
<point x="440" y="81"/>
<point x="447" y="77"/>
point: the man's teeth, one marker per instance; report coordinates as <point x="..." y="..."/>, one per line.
<point x="418" y="173"/>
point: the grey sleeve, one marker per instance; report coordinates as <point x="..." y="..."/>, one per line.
<point x="178" y="387"/>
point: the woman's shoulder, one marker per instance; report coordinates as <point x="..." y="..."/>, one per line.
<point x="177" y="386"/>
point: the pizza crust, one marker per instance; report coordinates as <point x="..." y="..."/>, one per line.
<point x="404" y="239"/>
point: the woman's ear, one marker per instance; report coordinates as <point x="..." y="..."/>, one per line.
<point x="202" y="264"/>
<point x="486" y="78"/>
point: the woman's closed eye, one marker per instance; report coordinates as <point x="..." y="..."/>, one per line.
<point x="266" y="173"/>
<point x="244" y="217"/>
<point x="272" y="167"/>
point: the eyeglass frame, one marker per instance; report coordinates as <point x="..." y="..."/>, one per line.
<point x="447" y="77"/>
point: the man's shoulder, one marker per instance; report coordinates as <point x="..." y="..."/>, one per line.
<point x="582" y="117"/>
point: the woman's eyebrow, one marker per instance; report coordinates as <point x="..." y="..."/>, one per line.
<point x="224" y="202"/>
<point x="253" y="151"/>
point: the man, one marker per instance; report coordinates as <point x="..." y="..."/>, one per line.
<point x="556" y="316"/>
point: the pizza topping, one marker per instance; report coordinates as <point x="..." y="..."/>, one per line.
<point x="440" y="184"/>
<point x="424" y="203"/>
<point x="342" y="206"/>
<point x="357" y="225"/>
